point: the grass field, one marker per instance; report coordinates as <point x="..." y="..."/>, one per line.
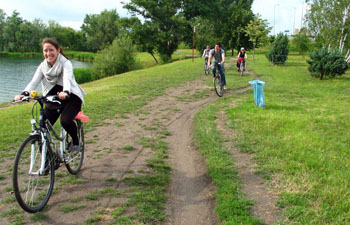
<point x="300" y="141"/>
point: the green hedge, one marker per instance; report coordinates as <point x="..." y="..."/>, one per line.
<point x="81" y="56"/>
<point x="22" y="54"/>
<point x="84" y="75"/>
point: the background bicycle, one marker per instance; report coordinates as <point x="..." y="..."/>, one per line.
<point x="206" y="67"/>
<point x="40" y="155"/>
<point x="241" y="67"/>
<point x="218" y="86"/>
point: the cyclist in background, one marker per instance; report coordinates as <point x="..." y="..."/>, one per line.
<point x="205" y="55"/>
<point x="219" y="57"/>
<point x="56" y="76"/>
<point x="242" y="56"/>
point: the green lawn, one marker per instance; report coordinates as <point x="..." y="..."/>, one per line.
<point x="300" y="140"/>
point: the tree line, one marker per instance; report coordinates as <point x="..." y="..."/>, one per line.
<point x="165" y="25"/>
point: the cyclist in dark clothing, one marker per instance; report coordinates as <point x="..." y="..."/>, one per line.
<point x="219" y="57"/>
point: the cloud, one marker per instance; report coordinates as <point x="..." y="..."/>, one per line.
<point x="67" y="13"/>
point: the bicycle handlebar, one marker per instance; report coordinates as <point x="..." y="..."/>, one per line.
<point x="48" y="98"/>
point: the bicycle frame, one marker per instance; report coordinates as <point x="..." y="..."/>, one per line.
<point x="44" y="130"/>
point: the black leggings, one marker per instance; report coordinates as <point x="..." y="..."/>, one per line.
<point x="68" y="113"/>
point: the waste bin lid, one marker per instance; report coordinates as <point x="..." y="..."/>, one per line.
<point x="252" y="82"/>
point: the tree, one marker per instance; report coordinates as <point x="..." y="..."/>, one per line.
<point x="12" y="25"/>
<point x="205" y="33"/>
<point x="117" y="58"/>
<point x="235" y="16"/>
<point x="101" y="29"/>
<point x="324" y="62"/>
<point x="329" y="22"/>
<point x="302" y="41"/>
<point x="279" y="51"/>
<point x="64" y="35"/>
<point x="2" y="26"/>
<point x="144" y="36"/>
<point x="257" y="31"/>
<point x="166" y="18"/>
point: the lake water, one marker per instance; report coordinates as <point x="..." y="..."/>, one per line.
<point x="15" y="74"/>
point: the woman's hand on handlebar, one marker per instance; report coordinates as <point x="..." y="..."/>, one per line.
<point x="18" y="97"/>
<point x="62" y="95"/>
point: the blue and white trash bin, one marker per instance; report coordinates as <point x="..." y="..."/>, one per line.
<point x="258" y="92"/>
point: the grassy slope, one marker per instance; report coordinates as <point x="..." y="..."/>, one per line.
<point x="301" y="140"/>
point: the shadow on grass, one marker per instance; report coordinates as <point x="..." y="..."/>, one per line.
<point x="282" y="107"/>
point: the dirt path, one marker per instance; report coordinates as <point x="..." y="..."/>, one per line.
<point x="190" y="195"/>
<point x="253" y="185"/>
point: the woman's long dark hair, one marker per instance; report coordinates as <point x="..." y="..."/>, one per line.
<point x="55" y="43"/>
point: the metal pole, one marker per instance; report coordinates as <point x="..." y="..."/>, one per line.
<point x="302" y="12"/>
<point x="294" y="22"/>
<point x="194" y="31"/>
<point x="274" y="19"/>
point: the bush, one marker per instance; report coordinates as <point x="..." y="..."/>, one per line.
<point x="323" y="62"/>
<point x="115" y="59"/>
<point x="83" y="75"/>
<point x="81" y="56"/>
<point x="278" y="53"/>
<point x="165" y="58"/>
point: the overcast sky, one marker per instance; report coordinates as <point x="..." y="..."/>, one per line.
<point x="285" y="15"/>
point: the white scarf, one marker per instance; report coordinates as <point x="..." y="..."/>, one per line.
<point x="52" y="73"/>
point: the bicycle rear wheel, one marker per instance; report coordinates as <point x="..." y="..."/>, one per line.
<point x="241" y="68"/>
<point x="32" y="189"/>
<point x="206" y="69"/>
<point x="73" y="161"/>
<point x="219" y="89"/>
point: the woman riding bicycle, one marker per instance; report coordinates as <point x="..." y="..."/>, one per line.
<point x="242" y="56"/>
<point x="57" y="78"/>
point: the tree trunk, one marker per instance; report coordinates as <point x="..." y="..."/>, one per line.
<point x="153" y="57"/>
<point x="253" y="51"/>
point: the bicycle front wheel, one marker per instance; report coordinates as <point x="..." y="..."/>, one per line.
<point x="241" y="69"/>
<point x="73" y="161"/>
<point x="32" y="188"/>
<point x="219" y="89"/>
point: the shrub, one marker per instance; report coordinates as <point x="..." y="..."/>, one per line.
<point x="115" y="59"/>
<point x="165" y="58"/>
<point x="278" y="53"/>
<point x="323" y="62"/>
<point x="83" y="75"/>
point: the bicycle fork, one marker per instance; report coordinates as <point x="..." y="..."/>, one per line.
<point x="34" y="154"/>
